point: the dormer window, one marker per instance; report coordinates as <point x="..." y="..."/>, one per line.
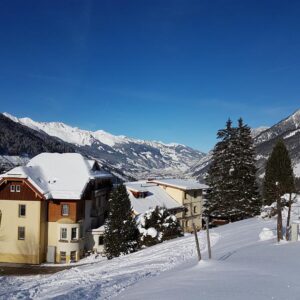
<point x="140" y="194"/>
<point x="18" y="188"/>
<point x="65" y="210"/>
<point x="12" y="188"/>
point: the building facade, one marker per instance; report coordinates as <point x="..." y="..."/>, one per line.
<point x="188" y="193"/>
<point x="182" y="197"/>
<point x="48" y="207"/>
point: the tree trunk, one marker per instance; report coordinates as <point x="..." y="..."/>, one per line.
<point x="279" y="220"/>
<point x="287" y="232"/>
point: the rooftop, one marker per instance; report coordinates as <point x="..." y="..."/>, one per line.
<point x="59" y="176"/>
<point x="183" y="184"/>
<point x="156" y="196"/>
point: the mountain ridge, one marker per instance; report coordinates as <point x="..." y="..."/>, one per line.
<point x="134" y="157"/>
<point x="287" y="129"/>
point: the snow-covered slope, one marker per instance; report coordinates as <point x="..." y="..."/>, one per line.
<point x="289" y="130"/>
<point x="284" y="129"/>
<point x="136" y="158"/>
<point x="243" y="267"/>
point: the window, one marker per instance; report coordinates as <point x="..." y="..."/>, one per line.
<point x="73" y="256"/>
<point x="21" y="233"/>
<point x="74" y="233"/>
<point x="186" y="223"/>
<point x="62" y="257"/>
<point x="22" y="210"/>
<point x="65" y="210"/>
<point x="63" y="233"/>
<point x="100" y="240"/>
<point x="12" y="188"/>
<point x="195" y="209"/>
<point x="185" y="195"/>
<point x="18" y="188"/>
<point x="195" y="194"/>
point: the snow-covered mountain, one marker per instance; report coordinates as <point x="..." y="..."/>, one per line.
<point x="134" y="157"/>
<point x="265" y="138"/>
<point x="257" y="131"/>
<point x="287" y="129"/>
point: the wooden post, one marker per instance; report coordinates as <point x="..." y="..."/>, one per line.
<point x="197" y="242"/>
<point x="279" y="215"/>
<point x="208" y="238"/>
<point x="195" y="233"/>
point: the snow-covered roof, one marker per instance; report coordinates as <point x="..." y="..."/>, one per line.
<point x="58" y="176"/>
<point x="156" y="196"/>
<point x="183" y="184"/>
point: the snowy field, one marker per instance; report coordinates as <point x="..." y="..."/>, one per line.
<point x="243" y="267"/>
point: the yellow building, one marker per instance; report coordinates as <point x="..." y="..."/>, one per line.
<point x="182" y="197"/>
<point x="48" y="207"/>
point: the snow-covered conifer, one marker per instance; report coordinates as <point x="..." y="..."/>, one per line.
<point x="158" y="225"/>
<point x="231" y="177"/>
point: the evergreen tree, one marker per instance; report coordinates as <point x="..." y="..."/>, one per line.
<point x="220" y="200"/>
<point x="231" y="177"/>
<point x="279" y="180"/>
<point x="158" y="225"/>
<point x="121" y="233"/>
<point x="246" y="198"/>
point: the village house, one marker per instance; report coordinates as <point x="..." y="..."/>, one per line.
<point x="49" y="207"/>
<point x="183" y="198"/>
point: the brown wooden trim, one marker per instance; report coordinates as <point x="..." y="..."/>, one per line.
<point x="26" y="181"/>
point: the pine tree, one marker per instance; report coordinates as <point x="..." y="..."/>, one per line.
<point x="220" y="180"/>
<point x="279" y="180"/>
<point x="121" y="233"/>
<point x="232" y="175"/>
<point x="247" y="199"/>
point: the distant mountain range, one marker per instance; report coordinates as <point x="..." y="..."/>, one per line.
<point x="265" y="138"/>
<point x="132" y="158"/>
<point x="128" y="158"/>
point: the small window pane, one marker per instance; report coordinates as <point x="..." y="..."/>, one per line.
<point x="21" y="233"/>
<point x="18" y="188"/>
<point x="100" y="240"/>
<point x="62" y="257"/>
<point x="63" y="233"/>
<point x="22" y="210"/>
<point x="73" y="256"/>
<point x="74" y="234"/>
<point x="65" y="210"/>
<point x="12" y="188"/>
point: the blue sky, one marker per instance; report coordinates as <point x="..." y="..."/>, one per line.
<point x="164" y="70"/>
